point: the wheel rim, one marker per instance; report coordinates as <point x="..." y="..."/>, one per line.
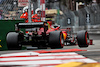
<point x="87" y="38"/>
<point x="61" y="40"/>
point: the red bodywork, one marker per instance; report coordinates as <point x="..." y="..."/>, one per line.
<point x="53" y="29"/>
<point x="35" y="18"/>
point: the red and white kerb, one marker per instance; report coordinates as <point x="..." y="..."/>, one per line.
<point x="35" y="59"/>
<point x="42" y="6"/>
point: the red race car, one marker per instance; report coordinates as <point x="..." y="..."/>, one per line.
<point x="41" y="35"/>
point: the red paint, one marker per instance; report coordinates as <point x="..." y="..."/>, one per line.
<point x="57" y="51"/>
<point x="19" y="56"/>
<point x="91" y="42"/>
<point x="68" y="50"/>
<point x="43" y="14"/>
<point x="38" y="56"/>
<point x="22" y="0"/>
<point x="42" y="2"/>
<point x="43" y="59"/>
<point x="27" y="32"/>
<point x="86" y="38"/>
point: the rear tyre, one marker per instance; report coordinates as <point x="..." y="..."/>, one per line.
<point x="83" y="39"/>
<point x="56" y="39"/>
<point x="13" y="40"/>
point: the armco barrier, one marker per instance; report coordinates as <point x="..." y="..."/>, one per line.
<point x="5" y="27"/>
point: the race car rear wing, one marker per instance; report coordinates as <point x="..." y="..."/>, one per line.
<point x="28" y="26"/>
<point x="31" y="25"/>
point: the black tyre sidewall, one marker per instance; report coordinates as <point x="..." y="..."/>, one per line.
<point x="82" y="38"/>
<point x="13" y="41"/>
<point x="55" y="39"/>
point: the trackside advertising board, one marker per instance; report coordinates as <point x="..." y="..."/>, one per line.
<point x="22" y="3"/>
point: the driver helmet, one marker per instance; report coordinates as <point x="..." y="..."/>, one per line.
<point x="38" y="9"/>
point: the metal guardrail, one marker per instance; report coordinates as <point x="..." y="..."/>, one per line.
<point x="87" y="18"/>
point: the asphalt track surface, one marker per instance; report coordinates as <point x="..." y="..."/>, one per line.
<point x="93" y="51"/>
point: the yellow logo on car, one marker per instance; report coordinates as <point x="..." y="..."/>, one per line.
<point x="0" y="45"/>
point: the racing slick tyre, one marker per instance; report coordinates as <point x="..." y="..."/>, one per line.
<point x="56" y="39"/>
<point x="83" y="39"/>
<point x="13" y="40"/>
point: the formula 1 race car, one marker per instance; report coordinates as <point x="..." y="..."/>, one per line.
<point x="38" y="35"/>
